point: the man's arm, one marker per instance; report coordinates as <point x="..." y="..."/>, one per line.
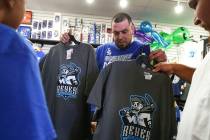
<point x="182" y="71"/>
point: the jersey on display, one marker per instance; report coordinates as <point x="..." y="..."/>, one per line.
<point x="69" y="73"/>
<point x="133" y="104"/>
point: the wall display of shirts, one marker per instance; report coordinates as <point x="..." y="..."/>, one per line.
<point x="47" y="29"/>
<point x="89" y="32"/>
<point x="52" y="28"/>
<point x="57" y="26"/>
<point x="87" y="27"/>
<point x="42" y="30"/>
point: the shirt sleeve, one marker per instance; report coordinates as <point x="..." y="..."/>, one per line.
<point x="41" y="62"/>
<point x="92" y="71"/>
<point x="100" y="56"/>
<point x="98" y="91"/>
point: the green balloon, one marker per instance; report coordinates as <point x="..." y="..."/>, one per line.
<point x="180" y="35"/>
<point x="166" y="36"/>
<point x="155" y="45"/>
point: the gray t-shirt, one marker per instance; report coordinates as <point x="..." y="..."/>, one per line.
<point x="133" y="104"/>
<point x="68" y="74"/>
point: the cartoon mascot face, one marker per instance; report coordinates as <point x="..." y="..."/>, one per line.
<point x="137" y="104"/>
<point x="69" y="75"/>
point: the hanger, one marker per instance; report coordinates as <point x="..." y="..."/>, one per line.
<point x="143" y="61"/>
<point x="72" y="38"/>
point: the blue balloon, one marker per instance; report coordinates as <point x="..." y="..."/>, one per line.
<point x="146" y="27"/>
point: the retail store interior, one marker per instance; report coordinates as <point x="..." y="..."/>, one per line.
<point x="106" y="70"/>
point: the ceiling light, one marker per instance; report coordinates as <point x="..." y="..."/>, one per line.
<point x="90" y="1"/>
<point x="178" y="8"/>
<point x="123" y="3"/>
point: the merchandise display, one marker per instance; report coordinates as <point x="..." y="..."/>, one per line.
<point x="68" y="74"/>
<point x="146" y="107"/>
<point x="103" y="77"/>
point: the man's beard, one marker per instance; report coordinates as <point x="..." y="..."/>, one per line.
<point x="122" y="45"/>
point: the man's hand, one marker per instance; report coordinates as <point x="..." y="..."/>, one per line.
<point x="182" y="71"/>
<point x="93" y="127"/>
<point x="65" y="38"/>
<point x="158" y="55"/>
<point x="164" y="67"/>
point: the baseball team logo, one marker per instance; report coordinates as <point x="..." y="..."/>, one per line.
<point x="137" y="119"/>
<point x="68" y="81"/>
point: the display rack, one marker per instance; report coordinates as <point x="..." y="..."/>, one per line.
<point x="52" y="42"/>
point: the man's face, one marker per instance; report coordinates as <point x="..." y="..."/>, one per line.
<point x="202" y="14"/>
<point x="122" y="33"/>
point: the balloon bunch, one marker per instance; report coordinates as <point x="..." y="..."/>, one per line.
<point x="146" y="27"/>
<point x="146" y="35"/>
<point x="179" y="36"/>
<point x="143" y="38"/>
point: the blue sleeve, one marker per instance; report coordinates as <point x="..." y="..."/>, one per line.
<point x="97" y="55"/>
<point x="146" y="49"/>
<point x="141" y="49"/>
<point x="24" y="111"/>
<point x="100" y="57"/>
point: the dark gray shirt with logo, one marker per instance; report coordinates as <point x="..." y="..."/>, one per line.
<point x="68" y="74"/>
<point x="133" y="104"/>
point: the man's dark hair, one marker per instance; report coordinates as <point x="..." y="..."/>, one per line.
<point x="121" y="17"/>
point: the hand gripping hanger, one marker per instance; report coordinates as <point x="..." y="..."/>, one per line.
<point x="143" y="60"/>
<point x="72" y="38"/>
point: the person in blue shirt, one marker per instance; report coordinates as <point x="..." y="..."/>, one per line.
<point x="124" y="46"/>
<point x="24" y="113"/>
